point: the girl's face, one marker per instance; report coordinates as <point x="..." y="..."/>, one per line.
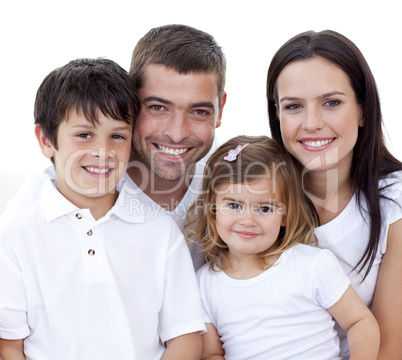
<point x="249" y="216"/>
<point x="318" y="113"/>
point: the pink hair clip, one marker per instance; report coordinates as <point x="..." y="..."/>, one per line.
<point x="232" y="154"/>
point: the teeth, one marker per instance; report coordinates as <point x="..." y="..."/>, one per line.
<point x="98" y="171"/>
<point x="170" y="151"/>
<point x="317" y="143"/>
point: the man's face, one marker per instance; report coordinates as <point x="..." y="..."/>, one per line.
<point x="177" y="120"/>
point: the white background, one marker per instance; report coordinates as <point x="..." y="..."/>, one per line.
<point x="38" y="36"/>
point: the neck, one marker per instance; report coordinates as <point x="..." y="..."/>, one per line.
<point x="247" y="267"/>
<point x="330" y="191"/>
<point x="98" y="206"/>
<point x="166" y="193"/>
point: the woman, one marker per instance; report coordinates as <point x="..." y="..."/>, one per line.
<point x="324" y="108"/>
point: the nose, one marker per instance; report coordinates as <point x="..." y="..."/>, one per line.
<point x="313" y="119"/>
<point x="177" y="127"/>
<point x="247" y="219"/>
<point x="103" y="152"/>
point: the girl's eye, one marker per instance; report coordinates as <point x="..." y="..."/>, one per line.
<point x="234" y="206"/>
<point x="265" y="209"/>
<point x="84" y="135"/>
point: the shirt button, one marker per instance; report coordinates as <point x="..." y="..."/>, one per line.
<point x="78" y="216"/>
<point x="89" y="233"/>
<point x="91" y="252"/>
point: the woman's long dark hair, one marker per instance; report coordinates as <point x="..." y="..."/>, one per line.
<point x="371" y="158"/>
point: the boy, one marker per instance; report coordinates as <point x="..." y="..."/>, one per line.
<point x="83" y="277"/>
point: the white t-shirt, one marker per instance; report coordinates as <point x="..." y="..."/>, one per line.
<point x="281" y="313"/>
<point x="347" y="236"/>
<point x="77" y="288"/>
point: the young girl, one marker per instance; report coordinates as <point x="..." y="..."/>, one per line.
<point x="266" y="293"/>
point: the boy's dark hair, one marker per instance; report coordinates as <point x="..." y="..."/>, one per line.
<point x="87" y="86"/>
<point x="182" y="48"/>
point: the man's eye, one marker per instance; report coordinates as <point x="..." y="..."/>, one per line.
<point x="200" y="112"/>
<point x="157" y="107"/>
<point x="234" y="206"/>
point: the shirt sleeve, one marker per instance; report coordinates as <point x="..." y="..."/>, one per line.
<point x="181" y="309"/>
<point x="202" y="278"/>
<point x="330" y="281"/>
<point x="13" y="303"/>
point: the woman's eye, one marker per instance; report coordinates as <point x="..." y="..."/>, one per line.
<point x="292" y="107"/>
<point x="332" y="103"/>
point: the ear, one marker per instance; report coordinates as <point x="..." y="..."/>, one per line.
<point x="283" y="222"/>
<point x="223" y="102"/>
<point x="45" y="145"/>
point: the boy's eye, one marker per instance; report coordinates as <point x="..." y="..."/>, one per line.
<point x="117" y="136"/>
<point x="84" y="135"/>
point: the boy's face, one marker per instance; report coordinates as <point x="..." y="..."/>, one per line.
<point x="91" y="158"/>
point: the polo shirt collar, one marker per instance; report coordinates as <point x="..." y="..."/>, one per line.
<point x="123" y="205"/>
<point x="52" y="203"/>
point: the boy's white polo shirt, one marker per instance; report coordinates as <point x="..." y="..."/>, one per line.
<point x="77" y="288"/>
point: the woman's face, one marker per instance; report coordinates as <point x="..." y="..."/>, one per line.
<point x="318" y="114"/>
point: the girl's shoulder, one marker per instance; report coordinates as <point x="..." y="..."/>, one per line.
<point x="308" y="254"/>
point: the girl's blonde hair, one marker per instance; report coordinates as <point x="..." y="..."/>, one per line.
<point x="262" y="157"/>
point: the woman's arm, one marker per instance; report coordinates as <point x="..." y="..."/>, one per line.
<point x="211" y="344"/>
<point x="12" y="349"/>
<point x="387" y="303"/>
<point x="185" y="347"/>
<point x="359" y="323"/>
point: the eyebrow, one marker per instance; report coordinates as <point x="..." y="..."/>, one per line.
<point x="206" y="104"/>
<point x="242" y="202"/>
<point x="89" y="127"/>
<point x="328" y="94"/>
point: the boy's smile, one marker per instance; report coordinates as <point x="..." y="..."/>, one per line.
<point x="90" y="159"/>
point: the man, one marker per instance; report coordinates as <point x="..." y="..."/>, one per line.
<point x="180" y="74"/>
